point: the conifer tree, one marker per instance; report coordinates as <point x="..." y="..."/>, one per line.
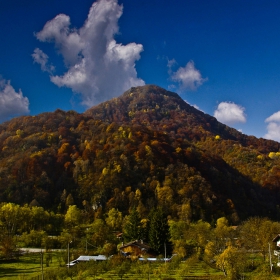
<point x="159" y="235"/>
<point x="132" y="227"/>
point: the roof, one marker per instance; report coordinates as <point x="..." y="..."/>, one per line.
<point x="156" y="259"/>
<point x="140" y="244"/>
<point x="91" y="258"/>
<point x="276" y="238"/>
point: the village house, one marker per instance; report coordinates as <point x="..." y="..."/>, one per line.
<point x="276" y="239"/>
<point x="136" y="249"/>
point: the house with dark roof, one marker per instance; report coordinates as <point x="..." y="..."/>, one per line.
<point x="276" y="239"/>
<point x="136" y="249"/>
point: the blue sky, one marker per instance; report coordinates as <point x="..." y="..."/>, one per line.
<point x="222" y="56"/>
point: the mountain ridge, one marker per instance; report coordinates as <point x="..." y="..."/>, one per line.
<point x="129" y="108"/>
<point x="144" y="149"/>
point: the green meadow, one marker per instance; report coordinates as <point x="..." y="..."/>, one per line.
<point x="29" y="267"/>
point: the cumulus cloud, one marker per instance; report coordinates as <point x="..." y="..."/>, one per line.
<point x="273" y="127"/>
<point x="11" y="103"/>
<point x="188" y="77"/>
<point x="97" y="66"/>
<point x="41" y="58"/>
<point x="274" y="117"/>
<point x="230" y="113"/>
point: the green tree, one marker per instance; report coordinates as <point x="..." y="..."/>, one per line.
<point x="39" y="218"/>
<point x="178" y="231"/>
<point x="197" y="236"/>
<point x="34" y="238"/>
<point x="159" y="235"/>
<point x="98" y="233"/>
<point x="120" y="265"/>
<point x="7" y="246"/>
<point x="132" y="228"/>
<point x="65" y="238"/>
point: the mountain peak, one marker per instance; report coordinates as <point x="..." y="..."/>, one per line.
<point x="163" y="110"/>
<point x="156" y="108"/>
<point x="148" y="99"/>
<point x="148" y="89"/>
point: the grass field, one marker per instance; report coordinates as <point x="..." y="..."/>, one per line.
<point x="29" y="267"/>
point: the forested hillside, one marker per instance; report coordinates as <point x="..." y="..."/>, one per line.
<point x="145" y="149"/>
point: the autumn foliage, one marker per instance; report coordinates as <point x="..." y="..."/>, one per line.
<point x="146" y="149"/>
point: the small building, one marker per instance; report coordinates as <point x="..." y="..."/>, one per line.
<point x="91" y="258"/>
<point x="136" y="249"/>
<point x="87" y="259"/>
<point x="276" y="239"/>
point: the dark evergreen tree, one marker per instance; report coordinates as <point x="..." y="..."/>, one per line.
<point x="132" y="228"/>
<point x="159" y="234"/>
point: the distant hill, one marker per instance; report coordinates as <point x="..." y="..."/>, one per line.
<point x="143" y="149"/>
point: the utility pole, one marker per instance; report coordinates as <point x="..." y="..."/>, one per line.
<point x="270" y="262"/>
<point x="42" y="265"/>
<point x="68" y="255"/>
<point x="149" y="269"/>
<point x="164" y="252"/>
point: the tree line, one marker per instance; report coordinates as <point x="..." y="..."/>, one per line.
<point x="231" y="249"/>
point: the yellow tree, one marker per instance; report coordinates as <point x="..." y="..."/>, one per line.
<point x="72" y="221"/>
<point x="221" y="237"/>
<point x="185" y="212"/>
<point x="223" y="233"/>
<point x="73" y="215"/>
<point x="257" y="232"/>
<point x="165" y="196"/>
<point x="10" y="218"/>
<point x="114" y="219"/>
<point x="232" y="262"/>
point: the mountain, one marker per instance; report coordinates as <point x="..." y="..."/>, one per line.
<point x="143" y="149"/>
<point x="154" y="107"/>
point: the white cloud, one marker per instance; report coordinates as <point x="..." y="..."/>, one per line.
<point x="274" y="117"/>
<point x="188" y="77"/>
<point x="273" y="127"/>
<point x="230" y="113"/>
<point x="98" y="67"/>
<point x="41" y="58"/>
<point x="11" y="103"/>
